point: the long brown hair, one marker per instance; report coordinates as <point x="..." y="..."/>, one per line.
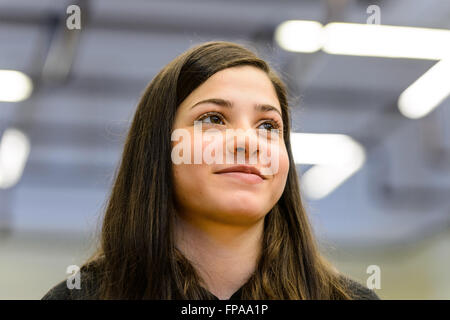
<point x="136" y="256"/>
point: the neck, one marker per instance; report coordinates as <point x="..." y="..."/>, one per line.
<point x="224" y="255"/>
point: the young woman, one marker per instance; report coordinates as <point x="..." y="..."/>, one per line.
<point x="217" y="230"/>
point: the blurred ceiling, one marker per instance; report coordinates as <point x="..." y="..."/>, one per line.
<point x="77" y="121"/>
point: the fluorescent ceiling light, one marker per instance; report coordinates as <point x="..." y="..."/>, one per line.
<point x="374" y="40"/>
<point x="299" y="36"/>
<point x="319" y="181"/>
<point x="364" y="39"/>
<point x="336" y="157"/>
<point x="14" y="151"/>
<point x="427" y="92"/>
<point x="386" y="41"/>
<point x="14" y="86"/>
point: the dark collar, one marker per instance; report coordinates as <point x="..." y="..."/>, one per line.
<point x="234" y="296"/>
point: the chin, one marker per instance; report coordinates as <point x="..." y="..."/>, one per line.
<point x="246" y="211"/>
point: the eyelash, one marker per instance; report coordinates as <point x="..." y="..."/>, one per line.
<point x="276" y="124"/>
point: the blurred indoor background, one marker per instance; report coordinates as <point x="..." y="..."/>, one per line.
<point x="381" y="197"/>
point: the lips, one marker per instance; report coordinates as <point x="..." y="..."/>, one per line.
<point x="245" y="173"/>
<point x="243" y="169"/>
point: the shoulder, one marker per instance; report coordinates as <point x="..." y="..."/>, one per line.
<point x="86" y="290"/>
<point x="358" y="291"/>
<point x="59" y="292"/>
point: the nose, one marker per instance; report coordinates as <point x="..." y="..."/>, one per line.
<point x="242" y="146"/>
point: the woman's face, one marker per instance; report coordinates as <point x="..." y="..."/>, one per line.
<point x="201" y="192"/>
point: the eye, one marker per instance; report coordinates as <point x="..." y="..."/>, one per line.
<point x="215" y="118"/>
<point x="269" y="125"/>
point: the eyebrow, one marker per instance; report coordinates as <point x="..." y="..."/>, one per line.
<point x="229" y="104"/>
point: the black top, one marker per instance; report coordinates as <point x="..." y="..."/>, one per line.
<point x="61" y="292"/>
<point x="234" y="296"/>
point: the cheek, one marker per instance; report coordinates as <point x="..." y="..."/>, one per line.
<point x="187" y="175"/>
<point x="280" y="178"/>
<point x="190" y="184"/>
<point x="190" y="180"/>
<point x="284" y="163"/>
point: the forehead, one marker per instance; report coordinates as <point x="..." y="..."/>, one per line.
<point x="243" y="84"/>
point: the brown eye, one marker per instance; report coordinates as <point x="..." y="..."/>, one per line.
<point x="214" y="119"/>
<point x="268" y="125"/>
